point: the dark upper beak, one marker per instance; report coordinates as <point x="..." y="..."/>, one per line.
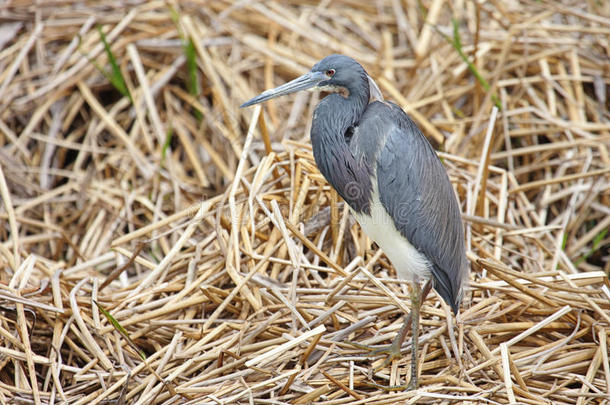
<point x="307" y="81"/>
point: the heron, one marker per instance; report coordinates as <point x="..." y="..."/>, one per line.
<point x="376" y="158"/>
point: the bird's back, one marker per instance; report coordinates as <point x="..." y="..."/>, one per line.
<point x="414" y="190"/>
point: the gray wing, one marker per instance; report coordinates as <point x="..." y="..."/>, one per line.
<point x="415" y="190"/>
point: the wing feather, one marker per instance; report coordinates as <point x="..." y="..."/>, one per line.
<point x="415" y="190"/>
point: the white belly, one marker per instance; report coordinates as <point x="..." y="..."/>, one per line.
<point x="379" y="226"/>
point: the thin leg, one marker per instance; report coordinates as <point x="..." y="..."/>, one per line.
<point x="402" y="333"/>
<point x="411" y="321"/>
<point x="416" y="298"/>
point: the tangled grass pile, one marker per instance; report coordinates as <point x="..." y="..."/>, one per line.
<point x="160" y="246"/>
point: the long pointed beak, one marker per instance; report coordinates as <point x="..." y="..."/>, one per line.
<point x="307" y="81"/>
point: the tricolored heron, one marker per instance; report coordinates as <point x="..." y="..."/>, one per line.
<point x="374" y="155"/>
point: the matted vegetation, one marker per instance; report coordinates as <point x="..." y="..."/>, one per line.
<point x="230" y="272"/>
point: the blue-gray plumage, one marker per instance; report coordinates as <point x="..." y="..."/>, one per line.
<point x="416" y="192"/>
<point x="380" y="163"/>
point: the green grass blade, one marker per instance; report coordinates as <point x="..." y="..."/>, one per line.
<point x="115" y="76"/>
<point x="456" y="42"/>
<point x="166" y="144"/>
<point x="193" y="85"/>
<point x="192" y="81"/>
<point x="131" y="343"/>
<point x="173" y="14"/>
<point x="191" y="66"/>
<point x="457" y="45"/>
<point x="597" y="240"/>
<point x="121" y="330"/>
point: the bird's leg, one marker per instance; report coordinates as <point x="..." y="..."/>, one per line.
<point x="393" y="351"/>
<point x="416" y="298"/>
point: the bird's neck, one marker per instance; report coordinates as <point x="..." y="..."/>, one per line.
<point x="349" y="176"/>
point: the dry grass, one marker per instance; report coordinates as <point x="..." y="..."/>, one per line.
<point x="209" y="235"/>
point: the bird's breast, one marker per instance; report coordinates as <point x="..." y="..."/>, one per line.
<point x="378" y="226"/>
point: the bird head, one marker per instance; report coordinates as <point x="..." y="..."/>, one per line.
<point x="341" y="74"/>
<point x="335" y="73"/>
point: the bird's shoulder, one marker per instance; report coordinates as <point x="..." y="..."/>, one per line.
<point x="380" y="120"/>
<point x="368" y="134"/>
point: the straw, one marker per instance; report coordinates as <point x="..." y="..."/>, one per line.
<point x="208" y="234"/>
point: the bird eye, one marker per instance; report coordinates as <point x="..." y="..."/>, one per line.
<point x="330" y="72"/>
